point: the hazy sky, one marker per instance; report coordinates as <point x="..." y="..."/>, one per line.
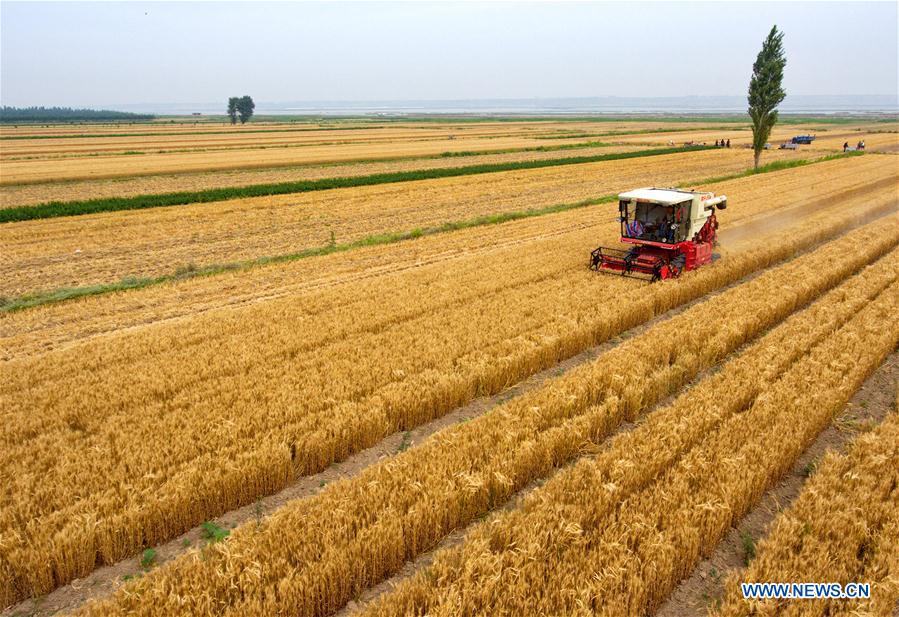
<point x="123" y="53"/>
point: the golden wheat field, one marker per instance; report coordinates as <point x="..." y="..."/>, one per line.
<point x="407" y="394"/>
<point x="18" y="146"/>
<point x="48" y="254"/>
<point x="34" y="194"/>
<point x="65" y="159"/>
<point x="848" y="521"/>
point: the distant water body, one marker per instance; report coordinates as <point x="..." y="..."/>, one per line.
<point x="820" y="105"/>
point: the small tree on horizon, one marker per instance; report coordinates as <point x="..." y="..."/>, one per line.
<point x="766" y="90"/>
<point x="245" y="107"/>
<point x="232" y="109"/>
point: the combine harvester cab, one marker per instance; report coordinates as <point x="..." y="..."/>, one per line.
<point x="668" y="230"/>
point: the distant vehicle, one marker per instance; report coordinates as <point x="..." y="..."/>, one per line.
<point x="669" y="230"/>
<point x="790" y="145"/>
<point x="804" y="140"/>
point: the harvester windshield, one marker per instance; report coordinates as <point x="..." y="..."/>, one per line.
<point x="653" y="221"/>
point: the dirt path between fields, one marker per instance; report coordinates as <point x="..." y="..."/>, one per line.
<point x="705" y="586"/>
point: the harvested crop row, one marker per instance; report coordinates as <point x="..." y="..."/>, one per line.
<point x="450" y="127"/>
<point x="356" y="532"/>
<point x="236" y="140"/>
<point x="45" y="148"/>
<point x="492" y="248"/>
<point x="33" y="194"/>
<point x="614" y="534"/>
<point x="142" y="202"/>
<point x="76" y="251"/>
<point x="119" y="166"/>
<point x="337" y="128"/>
<point x="844" y="527"/>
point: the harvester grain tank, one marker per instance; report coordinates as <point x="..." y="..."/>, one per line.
<point x="668" y="231"/>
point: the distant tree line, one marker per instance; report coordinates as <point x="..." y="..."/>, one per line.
<point x="64" y="114"/>
<point x="240" y="107"/>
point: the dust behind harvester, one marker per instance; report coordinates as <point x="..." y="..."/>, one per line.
<point x="668" y="230"/>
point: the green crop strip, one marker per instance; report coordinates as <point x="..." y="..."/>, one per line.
<point x="26" y="301"/>
<point x="91" y="206"/>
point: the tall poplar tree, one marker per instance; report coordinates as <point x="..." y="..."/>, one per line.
<point x="766" y="90"/>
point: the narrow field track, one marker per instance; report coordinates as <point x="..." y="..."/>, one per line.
<point x="826" y="138"/>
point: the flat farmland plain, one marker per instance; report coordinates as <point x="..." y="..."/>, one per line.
<point x="33" y="194"/>
<point x="107" y="247"/>
<point x="821" y="186"/>
<point x="134" y="416"/>
<point x="69" y="159"/>
<point x="111" y="166"/>
<point x="59" y="147"/>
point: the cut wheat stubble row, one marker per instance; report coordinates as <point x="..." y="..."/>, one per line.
<point x="111" y="146"/>
<point x="17" y="145"/>
<point x="33" y="194"/>
<point x="109" y="165"/>
<point x="471" y="249"/>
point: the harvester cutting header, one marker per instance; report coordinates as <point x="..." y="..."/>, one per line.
<point x="669" y="230"/>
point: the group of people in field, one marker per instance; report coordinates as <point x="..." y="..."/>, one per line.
<point x="859" y="146"/>
<point x="723" y="143"/>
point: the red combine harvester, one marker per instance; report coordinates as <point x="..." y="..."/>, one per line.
<point x="669" y="231"/>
